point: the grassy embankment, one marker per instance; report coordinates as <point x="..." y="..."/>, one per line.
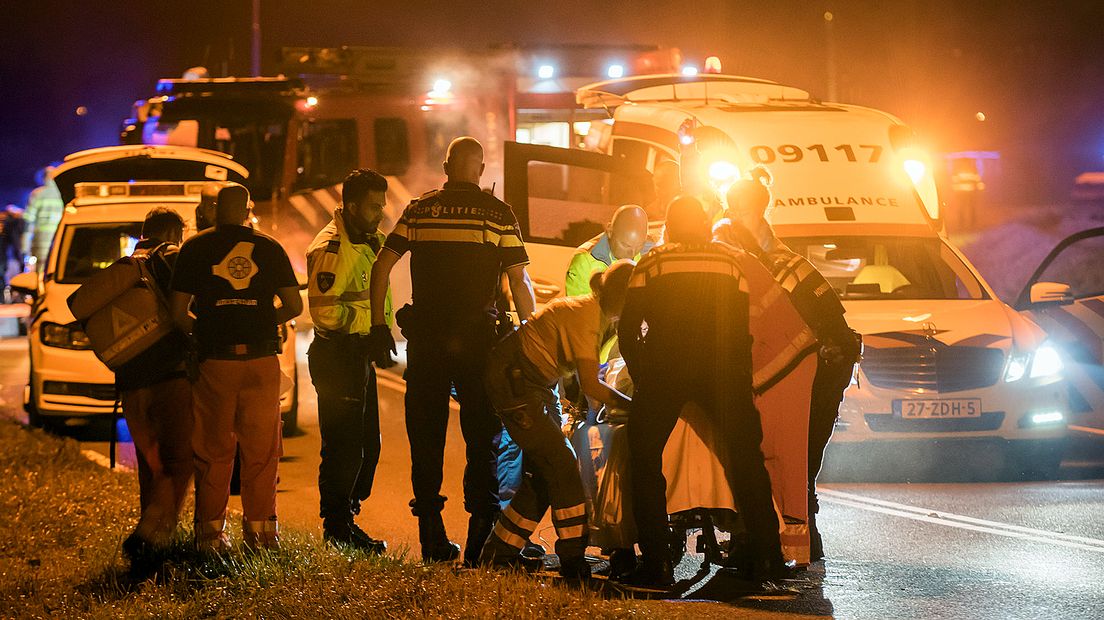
<point x="62" y="519"/>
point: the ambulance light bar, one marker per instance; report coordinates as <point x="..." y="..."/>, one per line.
<point x="106" y="190"/>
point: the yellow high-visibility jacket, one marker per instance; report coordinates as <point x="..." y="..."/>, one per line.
<point x="339" y="271"/>
<point x="590" y="258"/>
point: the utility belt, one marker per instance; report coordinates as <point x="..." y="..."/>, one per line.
<point x="514" y="385"/>
<point x="416" y="323"/>
<point x="341" y="338"/>
<point x="250" y="350"/>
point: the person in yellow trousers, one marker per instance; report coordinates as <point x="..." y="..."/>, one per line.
<point x="562" y="338"/>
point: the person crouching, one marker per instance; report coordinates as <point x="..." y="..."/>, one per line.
<point x="563" y="337"/>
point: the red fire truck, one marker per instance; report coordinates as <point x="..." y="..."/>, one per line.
<point x="394" y="110"/>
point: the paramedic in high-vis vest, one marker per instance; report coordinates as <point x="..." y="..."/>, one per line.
<point x="339" y="262"/>
<point x="562" y="338"/>
<point x="157" y="403"/>
<point x="745" y="226"/>
<point x="234" y="273"/>
<point x="626" y="237"/>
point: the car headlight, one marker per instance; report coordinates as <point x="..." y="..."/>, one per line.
<point x="1017" y="367"/>
<point x="65" y="336"/>
<point x="1047" y="362"/>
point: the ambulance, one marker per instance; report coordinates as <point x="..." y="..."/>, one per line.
<point x="947" y="369"/>
<point x="107" y="192"/>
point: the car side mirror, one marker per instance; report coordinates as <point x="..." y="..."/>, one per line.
<point x="1051" y="293"/>
<point x="25" y="283"/>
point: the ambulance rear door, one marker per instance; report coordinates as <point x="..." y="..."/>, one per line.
<point x="1065" y="296"/>
<point x="562" y="198"/>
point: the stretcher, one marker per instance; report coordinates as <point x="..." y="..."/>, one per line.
<point x="696" y="483"/>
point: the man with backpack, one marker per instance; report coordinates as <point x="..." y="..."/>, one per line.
<point x="157" y="400"/>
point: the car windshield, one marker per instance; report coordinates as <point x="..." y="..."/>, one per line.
<point x="88" y="248"/>
<point x="889" y="267"/>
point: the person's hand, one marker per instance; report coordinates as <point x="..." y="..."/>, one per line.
<point x="380" y="346"/>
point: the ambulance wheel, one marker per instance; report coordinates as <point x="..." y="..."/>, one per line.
<point x="291" y="417"/>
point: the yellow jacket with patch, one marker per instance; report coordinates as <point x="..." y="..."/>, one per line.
<point x="339" y="272"/>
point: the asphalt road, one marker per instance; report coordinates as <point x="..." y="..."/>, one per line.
<point x="992" y="550"/>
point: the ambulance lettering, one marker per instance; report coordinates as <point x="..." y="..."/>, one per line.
<point x="792" y="153"/>
<point x="837" y="201"/>
<point x="237" y="267"/>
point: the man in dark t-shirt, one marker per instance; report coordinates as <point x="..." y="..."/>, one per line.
<point x="156" y="400"/>
<point x="233" y="273"/>
<point x="460" y="240"/>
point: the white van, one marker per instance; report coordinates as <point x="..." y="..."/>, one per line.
<point x="106" y="201"/>
<point x="945" y="360"/>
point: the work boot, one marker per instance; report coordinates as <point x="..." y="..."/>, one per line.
<point x="479" y="529"/>
<point x="210" y="538"/>
<point x="816" y="545"/>
<point x="622" y="563"/>
<point x="654" y="573"/>
<point x="436" y="547"/>
<point x="344" y="533"/>
<point x="259" y="535"/>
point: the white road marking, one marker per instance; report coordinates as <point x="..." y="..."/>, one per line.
<point x="103" y="461"/>
<point x="949" y="519"/>
<point x="1086" y="429"/>
<point x="389" y="380"/>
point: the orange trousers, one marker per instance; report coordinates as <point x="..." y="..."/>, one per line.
<point x="237" y="408"/>
<point x="159" y="418"/>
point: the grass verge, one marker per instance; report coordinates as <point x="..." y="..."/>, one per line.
<point x="62" y="519"/>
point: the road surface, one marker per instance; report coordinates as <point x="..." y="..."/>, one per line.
<point x="994" y="550"/>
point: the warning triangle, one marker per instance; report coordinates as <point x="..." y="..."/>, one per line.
<point x="121" y="322"/>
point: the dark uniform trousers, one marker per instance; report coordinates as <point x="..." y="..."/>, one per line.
<point x="656" y="407"/>
<point x="348" y="421"/>
<point x="439" y="359"/>
<point x="551" y="478"/>
<point x="832" y="379"/>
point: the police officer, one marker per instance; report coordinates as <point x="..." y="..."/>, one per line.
<point x="626" y="237"/>
<point x="693" y="298"/>
<point x="233" y="273"/>
<point x="460" y="240"/>
<point x="563" y="337"/>
<point x="815" y="299"/>
<point x="338" y="264"/>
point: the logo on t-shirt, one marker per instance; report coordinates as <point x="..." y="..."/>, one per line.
<point x="237" y="267"/>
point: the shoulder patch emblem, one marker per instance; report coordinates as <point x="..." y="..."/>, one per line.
<point x="325" y="280"/>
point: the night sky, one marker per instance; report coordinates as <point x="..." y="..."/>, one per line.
<point x="1036" y="69"/>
